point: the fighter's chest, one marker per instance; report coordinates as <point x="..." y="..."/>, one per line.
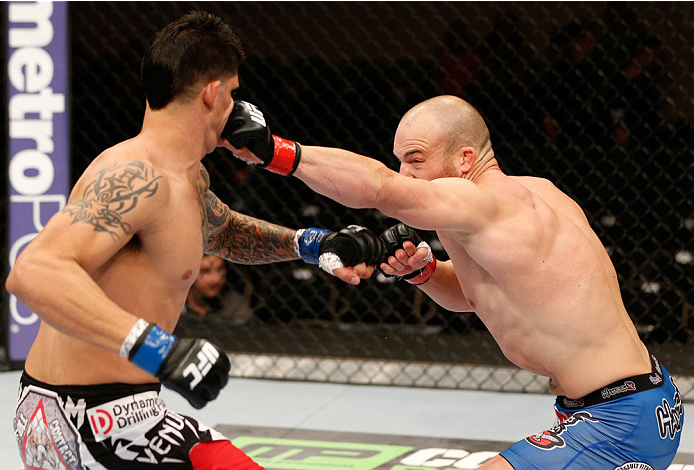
<point x="188" y="204"/>
<point x="471" y="275"/>
<point x="182" y="235"/>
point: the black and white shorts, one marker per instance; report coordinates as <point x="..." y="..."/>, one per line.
<point x="103" y="427"/>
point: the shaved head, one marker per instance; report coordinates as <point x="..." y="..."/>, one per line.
<point x="459" y="123"/>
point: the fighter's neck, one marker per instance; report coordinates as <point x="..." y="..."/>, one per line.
<point x="484" y="165"/>
<point x="175" y="138"/>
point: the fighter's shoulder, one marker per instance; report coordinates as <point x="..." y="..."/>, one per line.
<point x="115" y="176"/>
<point x="554" y="197"/>
<point x="534" y="187"/>
<point x="533" y="183"/>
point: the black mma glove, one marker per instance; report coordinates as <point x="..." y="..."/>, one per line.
<point x="394" y="237"/>
<point x="246" y="127"/>
<point x="194" y="368"/>
<point x="331" y="250"/>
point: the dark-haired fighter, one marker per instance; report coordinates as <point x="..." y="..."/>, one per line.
<point x="110" y="272"/>
<point x="525" y="259"/>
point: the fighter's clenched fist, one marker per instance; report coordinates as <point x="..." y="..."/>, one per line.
<point x="195" y="368"/>
<point x="407" y="255"/>
<point x="352" y="253"/>
<point x="246" y="127"/>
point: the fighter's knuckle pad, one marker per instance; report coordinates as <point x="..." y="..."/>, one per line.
<point x="355" y="245"/>
<point x="394" y="237"/>
<point x="372" y="251"/>
<point x="340" y="244"/>
<point x="246" y="128"/>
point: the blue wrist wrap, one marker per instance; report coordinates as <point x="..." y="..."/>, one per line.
<point x="153" y="350"/>
<point x="309" y="244"/>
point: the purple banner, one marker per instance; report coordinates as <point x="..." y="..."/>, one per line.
<point x="37" y="68"/>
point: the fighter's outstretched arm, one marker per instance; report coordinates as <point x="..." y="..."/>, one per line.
<point x="454" y="204"/>
<point x="247" y="240"/>
<point x="354" y="180"/>
<point x="243" y="239"/>
<point x="357" y="181"/>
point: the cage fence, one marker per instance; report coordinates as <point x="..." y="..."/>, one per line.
<point x="595" y="96"/>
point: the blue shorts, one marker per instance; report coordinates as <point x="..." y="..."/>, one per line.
<point x="632" y="424"/>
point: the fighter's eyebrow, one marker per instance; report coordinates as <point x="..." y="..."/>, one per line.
<point x="410" y="154"/>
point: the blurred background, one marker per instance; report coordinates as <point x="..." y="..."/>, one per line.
<point x="598" y="97"/>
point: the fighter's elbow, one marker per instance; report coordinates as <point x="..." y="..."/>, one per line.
<point x="16" y="279"/>
<point x="461" y="309"/>
<point x="454" y="305"/>
<point x="24" y="274"/>
<point x="10" y="284"/>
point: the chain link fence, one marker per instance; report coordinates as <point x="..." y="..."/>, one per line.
<point x="598" y="97"/>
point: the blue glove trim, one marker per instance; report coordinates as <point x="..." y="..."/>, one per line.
<point x="153" y="351"/>
<point x="309" y="244"/>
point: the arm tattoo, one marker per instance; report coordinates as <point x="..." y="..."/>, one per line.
<point x="113" y="193"/>
<point x="203" y="184"/>
<point x="246" y="240"/>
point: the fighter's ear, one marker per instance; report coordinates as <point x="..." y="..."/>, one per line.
<point x="468" y="158"/>
<point x="210" y="92"/>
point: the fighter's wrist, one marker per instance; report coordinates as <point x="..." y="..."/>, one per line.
<point x="147" y="346"/>
<point x="307" y="243"/>
<point x="286" y="156"/>
<point x="424" y="274"/>
<point x="135" y="332"/>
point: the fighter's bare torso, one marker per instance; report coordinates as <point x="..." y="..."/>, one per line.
<point x="559" y="315"/>
<point x="149" y="276"/>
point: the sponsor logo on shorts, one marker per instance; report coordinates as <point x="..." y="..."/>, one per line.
<point x="166" y="444"/>
<point x="634" y="466"/>
<point x="627" y="386"/>
<point x="548" y="440"/>
<point x="655" y="379"/>
<point x="670" y="417"/>
<point x="571" y="403"/>
<point x="123" y="414"/>
<point x="657" y="365"/>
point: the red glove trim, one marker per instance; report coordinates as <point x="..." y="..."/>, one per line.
<point x="426" y="274"/>
<point x="286" y="156"/>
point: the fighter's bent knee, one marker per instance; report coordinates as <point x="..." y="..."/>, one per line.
<point x="220" y="455"/>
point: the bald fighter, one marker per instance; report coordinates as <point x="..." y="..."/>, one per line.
<point x="524" y="258"/>
<point x="109" y="275"/>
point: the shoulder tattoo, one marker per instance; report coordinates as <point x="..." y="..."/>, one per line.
<point x="114" y="192"/>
